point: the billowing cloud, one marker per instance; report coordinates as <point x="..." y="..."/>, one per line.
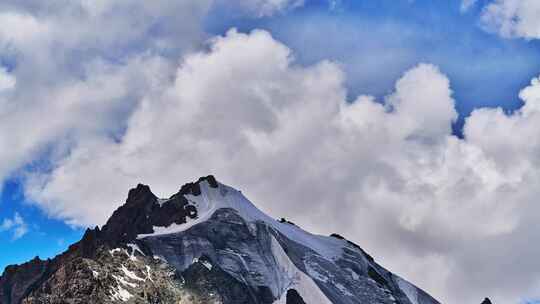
<point x="82" y="66"/>
<point x="74" y="75"/>
<point x="511" y="18"/>
<point x="446" y="212"/>
<point x="16" y="226"/>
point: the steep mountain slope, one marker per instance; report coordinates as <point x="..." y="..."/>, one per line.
<point x="205" y="244"/>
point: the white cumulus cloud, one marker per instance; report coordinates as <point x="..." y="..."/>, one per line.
<point x="81" y="66"/>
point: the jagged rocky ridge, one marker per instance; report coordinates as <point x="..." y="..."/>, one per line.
<point x="205" y="244"/>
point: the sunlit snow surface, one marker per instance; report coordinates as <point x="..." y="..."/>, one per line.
<point x="296" y="279"/>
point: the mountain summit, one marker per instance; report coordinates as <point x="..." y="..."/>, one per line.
<point x="205" y="244"/>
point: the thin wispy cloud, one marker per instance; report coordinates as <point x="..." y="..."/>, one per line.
<point x="15" y="225"/>
<point x="467" y="4"/>
<point x="509" y="18"/>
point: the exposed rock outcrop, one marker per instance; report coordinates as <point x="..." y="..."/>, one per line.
<point x="17" y="280"/>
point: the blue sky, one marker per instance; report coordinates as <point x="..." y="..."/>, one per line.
<point x="46" y="237"/>
<point x="374" y="44"/>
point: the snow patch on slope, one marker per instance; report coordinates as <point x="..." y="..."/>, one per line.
<point x="131" y="274"/>
<point x="410" y="291"/>
<point x="135" y="248"/>
<point x="205" y="263"/>
<point x="295" y="279"/>
<point x="121" y="294"/>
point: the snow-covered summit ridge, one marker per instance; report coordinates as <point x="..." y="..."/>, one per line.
<point x="270" y="257"/>
<point x="212" y="199"/>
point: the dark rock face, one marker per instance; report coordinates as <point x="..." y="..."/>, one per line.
<point x="217" y="286"/>
<point x="195" y="189"/>
<point x="225" y="242"/>
<point x="293" y="297"/>
<point x="112" y="276"/>
<point x="142" y="211"/>
<point x="17" y="280"/>
<point x="132" y="217"/>
<point x="71" y="281"/>
<point x="137" y="216"/>
<point x="486" y="301"/>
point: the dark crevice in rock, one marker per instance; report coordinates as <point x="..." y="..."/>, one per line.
<point x="373" y="274"/>
<point x="285" y="221"/>
<point x="337" y="236"/>
<point x="293" y="297"/>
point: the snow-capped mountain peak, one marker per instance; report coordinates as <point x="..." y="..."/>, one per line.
<point x="215" y="196"/>
<point x="206" y="244"/>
